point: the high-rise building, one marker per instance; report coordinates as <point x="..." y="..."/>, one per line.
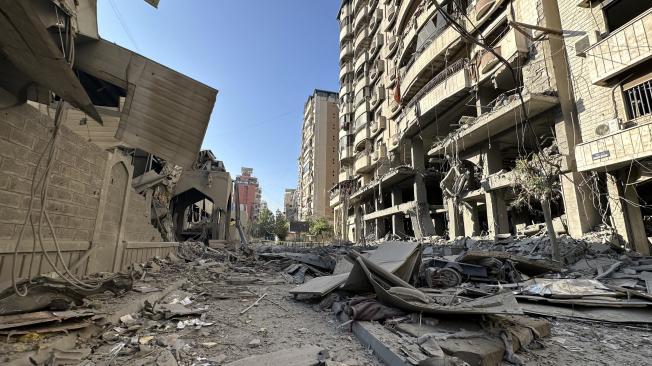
<point x="440" y="99"/>
<point x="290" y="204"/>
<point x="250" y="193"/>
<point x="318" y="158"/>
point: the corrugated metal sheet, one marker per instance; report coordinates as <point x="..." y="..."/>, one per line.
<point x="166" y="113"/>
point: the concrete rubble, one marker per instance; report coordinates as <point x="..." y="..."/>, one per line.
<point x="339" y="305"/>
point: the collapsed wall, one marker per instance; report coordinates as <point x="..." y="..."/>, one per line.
<point x="89" y="200"/>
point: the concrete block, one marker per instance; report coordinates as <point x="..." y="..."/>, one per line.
<point x="12" y="216"/>
<point x="10" y="199"/>
<point x="7" y="231"/>
<point x="13" y="167"/>
<point x="4" y="182"/>
<point x="23" y="138"/>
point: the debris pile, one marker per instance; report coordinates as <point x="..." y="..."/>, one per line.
<point x="474" y="301"/>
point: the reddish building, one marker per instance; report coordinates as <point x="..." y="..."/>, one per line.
<point x="249" y="192"/>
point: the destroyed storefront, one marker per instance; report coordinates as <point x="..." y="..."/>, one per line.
<point x="94" y="139"/>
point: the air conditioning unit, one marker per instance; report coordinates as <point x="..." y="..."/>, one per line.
<point x="378" y="95"/>
<point x="379" y="124"/>
<point x="376" y="43"/>
<point x="376" y="18"/>
<point x="608" y="127"/>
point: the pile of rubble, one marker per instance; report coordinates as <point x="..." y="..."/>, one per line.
<point x="478" y="302"/>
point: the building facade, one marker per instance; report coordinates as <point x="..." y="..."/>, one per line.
<point x="440" y="100"/>
<point x="250" y="193"/>
<point x="318" y="159"/>
<point x="290" y="204"/>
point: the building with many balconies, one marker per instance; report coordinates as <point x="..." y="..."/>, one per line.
<point x="438" y="101"/>
<point x="318" y="158"/>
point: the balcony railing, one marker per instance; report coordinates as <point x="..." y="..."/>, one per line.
<point x="363" y="162"/>
<point x="506" y="110"/>
<point x="623" y="49"/>
<point x="346" y="53"/>
<point x="512" y="44"/>
<point x="616" y="149"/>
<point x="432" y="57"/>
<point x="346" y="32"/>
<point x="361" y="137"/>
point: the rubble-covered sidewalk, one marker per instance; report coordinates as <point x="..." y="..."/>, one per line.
<point x="343" y="305"/>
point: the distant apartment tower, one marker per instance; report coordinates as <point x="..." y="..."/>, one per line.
<point x="318" y="158"/>
<point x="290" y="204"/>
<point x="249" y="192"/>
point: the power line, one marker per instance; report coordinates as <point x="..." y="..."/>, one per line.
<point x="118" y="14"/>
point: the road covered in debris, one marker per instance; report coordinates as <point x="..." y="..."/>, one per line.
<point x="463" y="302"/>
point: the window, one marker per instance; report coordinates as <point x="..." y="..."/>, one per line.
<point x="638" y="100"/>
<point x="619" y="12"/>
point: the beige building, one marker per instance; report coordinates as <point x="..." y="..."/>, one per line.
<point x="435" y="110"/>
<point x="318" y="158"/>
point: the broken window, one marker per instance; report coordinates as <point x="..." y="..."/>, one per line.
<point x="619" y="12"/>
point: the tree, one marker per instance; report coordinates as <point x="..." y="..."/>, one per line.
<point x="264" y="226"/>
<point x="281" y="225"/>
<point x="537" y="180"/>
<point x="319" y="226"/>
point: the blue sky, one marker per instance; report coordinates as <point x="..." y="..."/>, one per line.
<point x="265" y="58"/>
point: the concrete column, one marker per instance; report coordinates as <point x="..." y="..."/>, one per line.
<point x="470" y="219"/>
<point x="625" y="215"/>
<point x="424" y="226"/>
<point x="582" y="216"/>
<point x="380" y="222"/>
<point x="497" y="218"/>
<point x="397" y="219"/>
<point x="454" y="219"/>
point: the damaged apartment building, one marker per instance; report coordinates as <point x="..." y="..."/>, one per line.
<point x="99" y="148"/>
<point x="441" y="100"/>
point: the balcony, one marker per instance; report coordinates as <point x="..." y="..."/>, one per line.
<point x="376" y="18"/>
<point x="363" y="162"/>
<point x="432" y="58"/>
<point x="392" y="46"/>
<point x="362" y="41"/>
<point x="346" y="152"/>
<point x="410" y="34"/>
<point x="616" y="149"/>
<point x="513" y="45"/>
<point x="377" y="126"/>
<point x="376" y="69"/>
<point x="347" y="68"/>
<point x="361" y="137"/>
<point x="481" y="12"/>
<point x="345" y="109"/>
<point x="402" y="17"/>
<point x="623" y="49"/>
<point x="360" y="60"/>
<point x="357" y="4"/>
<point x="346" y="53"/>
<point x="390" y="13"/>
<point x="360" y="18"/>
<point x="346" y="32"/>
<point x="334" y="198"/>
<point x="376" y="44"/>
<point x="344" y="175"/>
<point x="377" y="96"/>
<point x="501" y="118"/>
<point x="446" y="88"/>
<point x="361" y="111"/>
<point x="345" y="89"/>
